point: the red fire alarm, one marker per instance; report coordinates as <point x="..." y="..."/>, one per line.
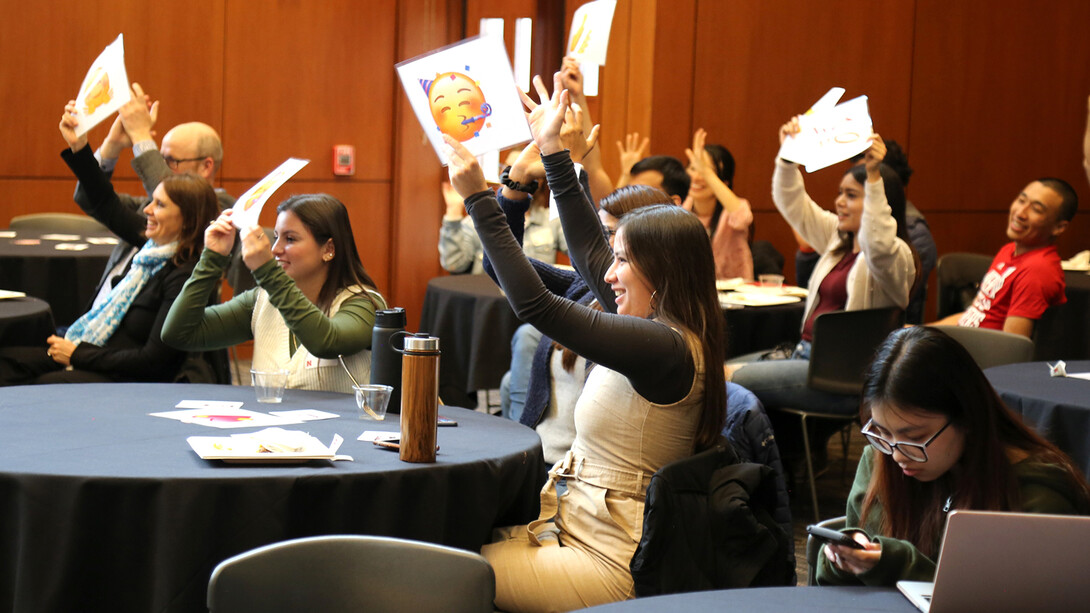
<point x="344" y="160"/>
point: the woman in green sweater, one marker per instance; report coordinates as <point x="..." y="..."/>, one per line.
<point x="940" y="439"/>
<point x="314" y="301"/>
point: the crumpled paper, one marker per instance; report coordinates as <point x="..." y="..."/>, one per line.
<point x="1059" y="369"/>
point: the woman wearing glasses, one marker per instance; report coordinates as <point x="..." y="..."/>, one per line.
<point x="940" y="439"/>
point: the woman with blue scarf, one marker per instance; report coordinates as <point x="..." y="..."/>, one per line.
<point x="119" y="338"/>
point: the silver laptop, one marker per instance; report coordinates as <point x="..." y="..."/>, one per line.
<point x="1008" y="562"/>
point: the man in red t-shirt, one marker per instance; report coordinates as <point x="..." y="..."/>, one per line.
<point x="1025" y="277"/>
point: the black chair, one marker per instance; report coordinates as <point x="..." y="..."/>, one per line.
<point x="61" y="223"/>
<point x="813" y="547"/>
<point x="991" y="347"/>
<point x="337" y="574"/>
<point x="959" y="276"/>
<point x="843" y="346"/>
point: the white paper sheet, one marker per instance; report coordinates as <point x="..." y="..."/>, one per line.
<point x="588" y="39"/>
<point x="248" y="207"/>
<point x="830" y="135"/>
<point x="105" y="88"/>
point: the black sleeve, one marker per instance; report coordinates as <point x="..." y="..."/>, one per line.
<point x="654" y="357"/>
<point x="102" y="201"/>
<point x="587" y="245"/>
<point x="515" y="211"/>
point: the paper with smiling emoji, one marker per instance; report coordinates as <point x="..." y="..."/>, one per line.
<point x="104" y="89"/>
<point x="466" y="90"/>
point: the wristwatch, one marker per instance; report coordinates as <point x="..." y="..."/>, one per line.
<point x="505" y="178"/>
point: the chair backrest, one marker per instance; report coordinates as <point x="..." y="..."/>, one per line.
<point x="991" y="347"/>
<point x="61" y="223"/>
<point x="813" y="547"/>
<point x="353" y="573"/>
<point x="844" y="344"/>
<point x="959" y="276"/>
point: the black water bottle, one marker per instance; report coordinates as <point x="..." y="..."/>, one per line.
<point x="385" y="361"/>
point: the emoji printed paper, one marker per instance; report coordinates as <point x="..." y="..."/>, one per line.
<point x="467" y="91"/>
<point x="104" y="89"/>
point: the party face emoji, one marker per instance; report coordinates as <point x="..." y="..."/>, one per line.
<point x="99" y="93"/>
<point x="457" y="105"/>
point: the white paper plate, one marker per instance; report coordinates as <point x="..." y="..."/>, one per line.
<point x="755" y="299"/>
<point x="243" y="450"/>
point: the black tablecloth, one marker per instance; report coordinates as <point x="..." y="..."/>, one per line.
<point x="752" y="329"/>
<point x="770" y="600"/>
<point x="1064" y="330"/>
<point x="1058" y="407"/>
<point x="103" y="507"/>
<point x="64" y="279"/>
<point x="25" y="322"/>
<point x="474" y="323"/>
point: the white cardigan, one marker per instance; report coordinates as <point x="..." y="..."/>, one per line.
<point x="882" y="277"/>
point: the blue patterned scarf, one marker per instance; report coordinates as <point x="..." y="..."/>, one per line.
<point x="99" y="324"/>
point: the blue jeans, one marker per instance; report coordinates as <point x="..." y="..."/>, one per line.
<point x="516" y="382"/>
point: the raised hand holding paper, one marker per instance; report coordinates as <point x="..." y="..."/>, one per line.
<point x="590" y="26"/>
<point x="466" y="91"/>
<point x="248" y="207"/>
<point x="829" y="134"/>
<point x="104" y="89"/>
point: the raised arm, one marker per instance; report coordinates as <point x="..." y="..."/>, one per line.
<point x="102" y="201"/>
<point x="700" y="161"/>
<point x="571" y="78"/>
<point x="650" y="354"/>
<point x="814" y="224"/>
<point x="888" y="258"/>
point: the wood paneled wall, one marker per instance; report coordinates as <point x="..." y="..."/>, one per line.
<point x="983" y="95"/>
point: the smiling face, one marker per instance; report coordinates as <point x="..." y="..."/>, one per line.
<point x="1034" y="219"/>
<point x="633" y="293"/>
<point x="298" y="253"/>
<point x="698" y="188"/>
<point x="457" y="105"/>
<point x="164" y="218"/>
<point x="849" y="204"/>
<point x="915" y="426"/>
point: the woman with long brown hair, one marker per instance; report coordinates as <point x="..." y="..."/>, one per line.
<point x="940" y="439"/>
<point x="314" y="301"/>
<point x="656" y="394"/>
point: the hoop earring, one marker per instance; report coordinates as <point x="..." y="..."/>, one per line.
<point x="651" y="302"/>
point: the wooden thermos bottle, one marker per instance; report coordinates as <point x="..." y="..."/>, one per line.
<point x="419" y="397"/>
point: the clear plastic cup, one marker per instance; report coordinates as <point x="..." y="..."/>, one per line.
<point x="772" y="281"/>
<point x="372" y="400"/>
<point x="269" y="385"/>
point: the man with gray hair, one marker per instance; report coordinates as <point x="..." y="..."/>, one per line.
<point x="192" y="147"/>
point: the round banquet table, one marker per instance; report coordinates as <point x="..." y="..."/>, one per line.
<point x="474" y="323"/>
<point x="1057" y="407"/>
<point x="757" y="328"/>
<point x="769" y="600"/>
<point x="25" y="322"/>
<point x="64" y="279"/>
<point x="103" y="507"/>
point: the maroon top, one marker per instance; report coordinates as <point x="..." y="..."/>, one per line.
<point x="832" y="294"/>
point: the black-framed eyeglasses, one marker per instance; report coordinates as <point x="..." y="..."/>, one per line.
<point x="173" y="163"/>
<point x="917" y="452"/>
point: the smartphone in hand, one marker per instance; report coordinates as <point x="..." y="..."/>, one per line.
<point x="833" y="537"/>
